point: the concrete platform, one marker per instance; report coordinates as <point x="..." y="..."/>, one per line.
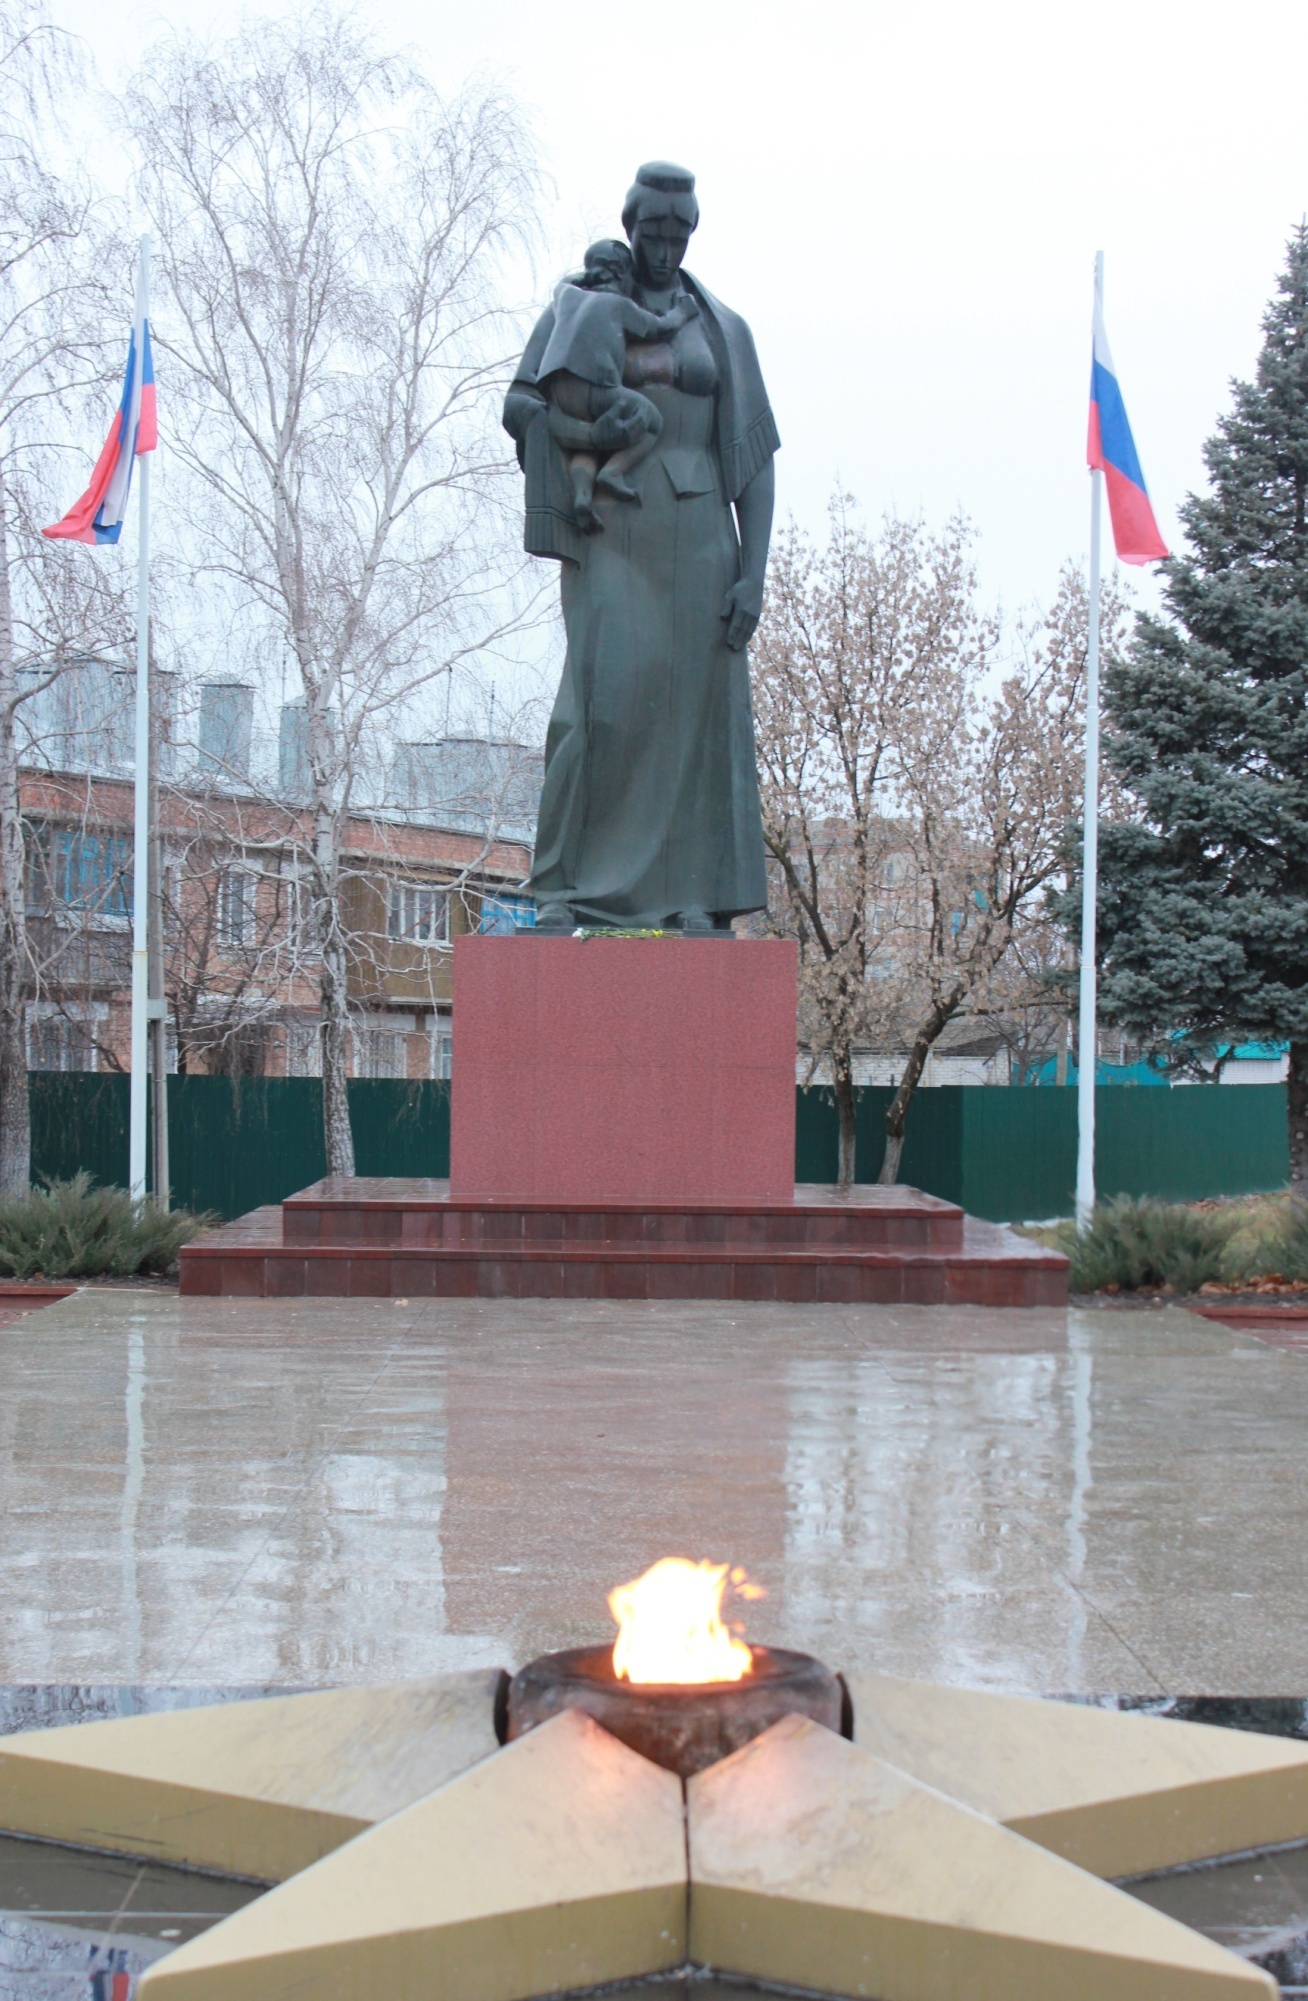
<point x="378" y="1238"/>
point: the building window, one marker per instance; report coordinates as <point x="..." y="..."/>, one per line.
<point x="505" y="914"/>
<point x="301" y="926"/>
<point x="75" y="870"/>
<point x="303" y="1049"/>
<point x="235" y="907"/>
<point x="54" y="1042"/>
<point x="419" y="914"/>
<point x="441" y="1048"/>
<point x="378" y="1052"/>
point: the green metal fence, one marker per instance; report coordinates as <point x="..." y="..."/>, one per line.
<point x="1006" y="1154"/>
<point x="234" y="1143"/>
<point x="1011" y="1154"/>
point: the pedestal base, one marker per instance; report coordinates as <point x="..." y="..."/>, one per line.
<point x="627" y="1069"/>
<point x="412" y="1240"/>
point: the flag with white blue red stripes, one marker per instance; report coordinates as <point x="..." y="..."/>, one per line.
<point x="98" y="516"/>
<point x="1111" y="450"/>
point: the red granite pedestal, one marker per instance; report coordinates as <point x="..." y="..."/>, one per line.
<point x="623" y="1128"/>
<point x="624" y="1069"/>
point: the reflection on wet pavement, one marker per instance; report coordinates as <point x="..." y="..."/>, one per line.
<point x="80" y="1927"/>
<point x="307" y="1492"/>
<point x="1256" y="1905"/>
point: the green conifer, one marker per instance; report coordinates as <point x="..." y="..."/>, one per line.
<point x="1203" y="914"/>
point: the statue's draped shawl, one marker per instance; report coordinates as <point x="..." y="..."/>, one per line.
<point x="745" y="434"/>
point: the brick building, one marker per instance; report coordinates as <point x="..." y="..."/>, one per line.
<point x="442" y="848"/>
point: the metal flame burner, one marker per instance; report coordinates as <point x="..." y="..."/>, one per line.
<point x="681" y="1726"/>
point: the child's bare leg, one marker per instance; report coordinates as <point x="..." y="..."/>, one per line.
<point x="612" y="474"/>
<point x="582" y="467"/>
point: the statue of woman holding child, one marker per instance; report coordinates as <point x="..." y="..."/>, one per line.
<point x="644" y="431"/>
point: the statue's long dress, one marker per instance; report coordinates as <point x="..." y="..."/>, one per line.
<point x="650" y="803"/>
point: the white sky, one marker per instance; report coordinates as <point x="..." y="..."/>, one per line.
<point x="905" y="201"/>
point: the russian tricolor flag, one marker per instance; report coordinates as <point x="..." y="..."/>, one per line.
<point x="98" y="516"/>
<point x="1110" y="449"/>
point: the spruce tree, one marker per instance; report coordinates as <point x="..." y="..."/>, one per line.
<point x="1203" y="916"/>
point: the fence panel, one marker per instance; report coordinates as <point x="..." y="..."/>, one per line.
<point x="235" y="1143"/>
<point x="79" y="1120"/>
<point x="931" y="1158"/>
<point x="817" y="1134"/>
<point x="400" y="1128"/>
<point x="1193" y="1141"/>
<point x="1018" y="1149"/>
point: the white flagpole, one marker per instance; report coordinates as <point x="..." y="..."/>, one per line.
<point x="141" y="816"/>
<point x="1087" y="1041"/>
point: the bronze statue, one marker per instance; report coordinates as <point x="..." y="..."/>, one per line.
<point x="654" y="488"/>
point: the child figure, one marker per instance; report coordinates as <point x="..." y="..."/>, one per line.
<point x="581" y="371"/>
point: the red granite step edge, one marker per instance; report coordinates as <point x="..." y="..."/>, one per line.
<point x="422" y="1213"/>
<point x="1274" y="1312"/>
<point x="20" y="1297"/>
<point x="997" y="1268"/>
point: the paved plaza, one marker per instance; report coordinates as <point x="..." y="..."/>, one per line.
<point x="226" y="1493"/>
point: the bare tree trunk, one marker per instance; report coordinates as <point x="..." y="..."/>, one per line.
<point x="897" y="1112"/>
<point x="1297" y="1093"/>
<point x="15" y="1123"/>
<point x="335" y="1033"/>
<point x="847" y="1109"/>
<point x="333" y="993"/>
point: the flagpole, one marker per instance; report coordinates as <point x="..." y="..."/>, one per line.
<point x="141" y="817"/>
<point x="1087" y="1038"/>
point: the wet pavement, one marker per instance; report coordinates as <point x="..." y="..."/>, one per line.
<point x="294" y="1493"/>
<point x="71" y="1921"/>
<point x="1256" y="1905"/>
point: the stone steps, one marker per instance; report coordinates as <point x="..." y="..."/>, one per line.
<point x="379" y="1239"/>
<point x="410" y="1213"/>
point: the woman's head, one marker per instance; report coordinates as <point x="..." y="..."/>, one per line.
<point x="658" y="215"/>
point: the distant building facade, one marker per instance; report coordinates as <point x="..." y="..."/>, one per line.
<point x="441" y="849"/>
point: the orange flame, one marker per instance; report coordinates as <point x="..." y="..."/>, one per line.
<point x="670" y="1625"/>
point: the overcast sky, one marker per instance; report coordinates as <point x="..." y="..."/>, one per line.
<point x="905" y="202"/>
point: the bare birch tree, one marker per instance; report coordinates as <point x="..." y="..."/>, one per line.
<point x="912" y="810"/>
<point x="331" y="235"/>
<point x="851" y="637"/>
<point x="988" y="785"/>
<point x="53" y="272"/>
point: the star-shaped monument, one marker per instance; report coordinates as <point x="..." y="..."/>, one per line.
<point x="960" y="1848"/>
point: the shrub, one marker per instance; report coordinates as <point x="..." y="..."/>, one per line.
<point x="72" y="1229"/>
<point x="1285" y="1248"/>
<point x="1136" y="1242"/>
